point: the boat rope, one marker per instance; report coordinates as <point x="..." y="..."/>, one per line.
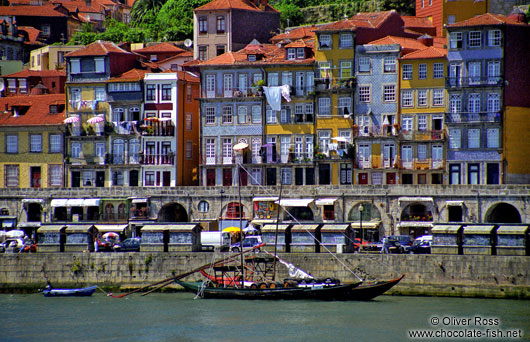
<point x="108" y="294"/>
<point x="268" y="192"/>
<point x="200" y="290"/>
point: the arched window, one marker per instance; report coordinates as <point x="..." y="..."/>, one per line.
<point x="370" y="212"/>
<point x="134" y="151"/>
<point x="121" y="211"/>
<point x="233" y="210"/>
<point x="118" y="115"/>
<point x="203" y="207"/>
<point x="134" y="114"/>
<point x="109" y="212"/>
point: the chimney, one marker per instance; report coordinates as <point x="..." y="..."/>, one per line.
<point x="88" y="3"/>
<point x="426" y="40"/>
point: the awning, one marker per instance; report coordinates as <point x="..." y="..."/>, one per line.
<point x="414" y="224"/>
<point x="303" y="202"/>
<point x="139" y="200"/>
<point x="28" y="225"/>
<point x="304" y="227"/>
<point x="335" y="227"/>
<point x="56" y="228"/>
<point x="91" y="202"/>
<point x="82" y="228"/>
<point x="478" y="229"/>
<point x="155" y="227"/>
<point x="33" y="200"/>
<point x="446" y="228"/>
<point x="454" y="203"/>
<point x="366" y="225"/>
<point x="271" y="228"/>
<point x="512" y="230"/>
<point x="415" y="199"/>
<point x="325" y="201"/>
<point x="105" y="228"/>
<point x="264" y="199"/>
<point x="58" y="202"/>
<point x="183" y="227"/>
<point x="75" y="202"/>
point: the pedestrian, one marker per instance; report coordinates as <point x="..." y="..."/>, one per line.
<point x="386" y="244"/>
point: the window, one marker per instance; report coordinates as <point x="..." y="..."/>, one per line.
<point x="438" y="70"/>
<point x="75" y="150"/>
<point x="323" y="141"/>
<point x="406" y="153"/>
<point x="219" y="50"/>
<point x="344" y="105"/>
<point x="389" y="64"/>
<point x="291" y="53"/>
<point x="117" y="178"/>
<point x="210" y="115"/>
<point x="256" y="176"/>
<point x="189" y="149"/>
<point x="100" y="65"/>
<point x="300" y="53"/>
<point x="407" y="71"/>
<point x="203" y="53"/>
<point x="285" y="114"/>
<point x="455" y="103"/>
<point x="203" y="207"/>
<point x="242" y="83"/>
<point x="364" y="93"/>
<point x="189" y="93"/>
<point x="35" y="143"/>
<point x="438" y="97"/>
<point x="473" y="138"/>
<point x="324" y="41"/>
<point x="149" y="178"/>
<point x="324" y="106"/>
<point x="100" y="150"/>
<point x="492" y="137"/>
<point x="256" y="114"/>
<point x="150" y="92"/>
<point x="75" y="95"/>
<point x="220" y="24"/>
<point x="285" y="145"/>
<point x="494" y="38"/>
<point x="242" y="117"/>
<point x="455" y="40"/>
<point x="99" y="94"/>
<point x="494" y="72"/>
<point x="422" y="122"/>
<point x="345" y="173"/>
<point x="166" y="92"/>
<point x="210" y="151"/>
<point x="272" y="79"/>
<point x="286" y="175"/>
<point x="389" y="93"/>
<point x="287" y="78"/>
<point x="345" y="69"/>
<point x="422" y="97"/>
<point x="422" y="71"/>
<point x="364" y="64"/>
<point x="494" y="105"/>
<point x="363" y="152"/>
<point x="474" y="38"/>
<point x="75" y="66"/>
<point x="407" y="124"/>
<point x="407" y="98"/>
<point x="55" y="175"/>
<point x="189" y="122"/>
<point x="56" y="143"/>
<point x="22" y="85"/>
<point x="12" y="144"/>
<point x="437" y="152"/>
<point x="124" y="87"/>
<point x="451" y="19"/>
<point x="271" y="115"/>
<point x="345" y="41"/>
<point x="309" y="112"/>
<point x="422" y="152"/>
<point x="227" y="115"/>
<point x="11" y="176"/>
<point x="227" y="148"/>
<point x="473" y="70"/>
<point x="203" y="25"/>
<point x="473" y="105"/>
<point x="45" y="28"/>
<point x="455" y="138"/>
<point x="12" y="85"/>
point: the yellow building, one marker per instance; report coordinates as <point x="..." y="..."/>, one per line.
<point x="31" y="129"/>
<point x="516" y="141"/>
<point x="51" y="57"/>
<point x="421" y="116"/>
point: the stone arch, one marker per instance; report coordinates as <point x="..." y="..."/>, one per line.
<point x="416" y="212"/>
<point x="503" y="213"/>
<point x="370" y="212"/>
<point x="172" y="212"/>
<point x="34" y="212"/>
<point x="233" y="211"/>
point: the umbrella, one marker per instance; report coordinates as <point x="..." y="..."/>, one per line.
<point x="231" y="230"/>
<point x="240" y="147"/>
<point x="71" y="119"/>
<point x="164" y="119"/>
<point x="151" y="118"/>
<point x="110" y="235"/>
<point x="14" y="234"/>
<point x="95" y="119"/>
<point x="250" y="229"/>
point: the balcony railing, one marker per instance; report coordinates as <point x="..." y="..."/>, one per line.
<point x="231" y="93"/>
<point x="422" y="135"/>
<point x="451" y="82"/>
<point x="374" y="131"/>
<point x="421" y="164"/>
<point x="157" y="159"/>
<point x="472" y="117"/>
<point x="122" y="158"/>
<point x="334" y="84"/>
<point x="160" y="129"/>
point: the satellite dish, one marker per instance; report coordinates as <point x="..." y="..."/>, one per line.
<point x="188" y="43"/>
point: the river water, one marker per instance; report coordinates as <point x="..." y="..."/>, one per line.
<point x="178" y="317"/>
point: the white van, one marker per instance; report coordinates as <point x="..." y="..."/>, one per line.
<point x="215" y="241"/>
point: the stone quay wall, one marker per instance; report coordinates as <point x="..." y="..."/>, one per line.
<point x="428" y="275"/>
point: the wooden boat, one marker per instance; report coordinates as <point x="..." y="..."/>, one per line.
<point x="81" y="292"/>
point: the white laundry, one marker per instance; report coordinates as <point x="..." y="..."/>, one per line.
<point x="274" y="98"/>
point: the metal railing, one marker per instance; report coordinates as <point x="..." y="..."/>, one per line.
<point x="472" y="117"/>
<point x="472" y="81"/>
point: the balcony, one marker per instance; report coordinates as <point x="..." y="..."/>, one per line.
<point x="122" y="159"/>
<point x="303" y="91"/>
<point x="422" y="135"/>
<point x="374" y="131"/>
<point x="157" y="129"/>
<point x="233" y="93"/>
<point x="157" y="159"/>
<point x="489" y="81"/>
<point x="470" y="117"/>
<point x="335" y="84"/>
<point x="421" y="164"/>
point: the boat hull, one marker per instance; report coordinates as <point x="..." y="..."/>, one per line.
<point x="82" y="292"/>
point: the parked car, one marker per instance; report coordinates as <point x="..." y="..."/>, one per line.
<point x="421" y="245"/>
<point x="400" y="243"/>
<point x="128" y="245"/>
<point x="248" y="243"/>
<point x="357" y="244"/>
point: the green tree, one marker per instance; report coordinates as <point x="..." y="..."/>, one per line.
<point x="142" y="9"/>
<point x="290" y="14"/>
<point x="175" y="19"/>
<point x="405" y="7"/>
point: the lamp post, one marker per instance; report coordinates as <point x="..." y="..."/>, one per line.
<point x="361" y="209"/>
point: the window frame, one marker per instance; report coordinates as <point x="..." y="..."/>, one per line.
<point x="220" y="24"/>
<point x="406" y="74"/>
<point x="407" y="98"/>
<point x="474" y="39"/>
<point x="329" y="39"/>
<point x="389" y="64"/>
<point x="35" y="143"/>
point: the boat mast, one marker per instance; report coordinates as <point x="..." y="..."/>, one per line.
<point x="276" y="232"/>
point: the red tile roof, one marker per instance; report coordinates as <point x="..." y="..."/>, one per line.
<point x="409" y="44"/>
<point x="98" y="48"/>
<point x="426" y="53"/>
<point x="72" y="6"/>
<point x="487" y="19"/>
<point x="234" y="4"/>
<point x="35" y="73"/>
<point x="366" y="20"/>
<point x="131" y="75"/>
<point x="160" y="48"/>
<point x="301" y="43"/>
<point x="297" y="33"/>
<point x="188" y="76"/>
<point x="417" y="22"/>
<point x="31" y="11"/>
<point x="33" y="33"/>
<point x="38" y="113"/>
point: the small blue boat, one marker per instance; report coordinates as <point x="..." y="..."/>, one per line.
<point x="82" y="292"/>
